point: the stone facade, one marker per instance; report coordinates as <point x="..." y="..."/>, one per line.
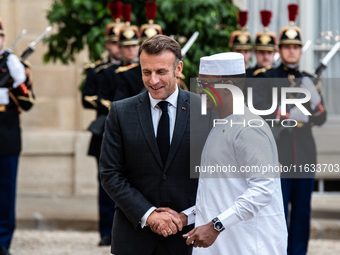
<point x="54" y="158"/>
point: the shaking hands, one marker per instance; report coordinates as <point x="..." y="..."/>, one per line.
<point x="165" y="221"/>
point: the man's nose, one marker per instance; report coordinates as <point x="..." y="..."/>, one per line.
<point x="154" y="78"/>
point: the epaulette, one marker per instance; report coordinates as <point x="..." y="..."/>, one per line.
<point x="102" y="67"/>
<point x="316" y="80"/>
<point x="308" y="74"/>
<point x="261" y="70"/>
<point x="126" y="68"/>
<point x="92" y="65"/>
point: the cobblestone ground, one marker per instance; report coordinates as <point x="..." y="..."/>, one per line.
<point x="45" y="242"/>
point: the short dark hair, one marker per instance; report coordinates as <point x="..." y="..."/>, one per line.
<point x="159" y="43"/>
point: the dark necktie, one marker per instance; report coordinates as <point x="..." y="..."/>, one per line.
<point x="163" y="132"/>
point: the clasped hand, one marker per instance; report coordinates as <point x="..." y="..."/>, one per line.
<point x="202" y="236"/>
<point x="165" y="221"/>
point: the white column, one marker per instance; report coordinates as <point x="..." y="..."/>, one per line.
<point x="306" y="19"/>
<point x="240" y="4"/>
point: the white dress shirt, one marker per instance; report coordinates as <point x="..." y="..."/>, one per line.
<point x="156" y="114"/>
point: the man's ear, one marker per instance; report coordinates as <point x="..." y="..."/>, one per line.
<point x="179" y="69"/>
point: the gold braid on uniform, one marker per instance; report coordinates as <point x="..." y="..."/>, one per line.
<point x="91" y="100"/>
<point x="126" y="68"/>
<point x="29" y="98"/>
<point x="261" y="70"/>
<point x="92" y="65"/>
<point x="106" y="103"/>
<point x="102" y="67"/>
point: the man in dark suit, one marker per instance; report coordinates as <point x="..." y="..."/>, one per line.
<point x="138" y="172"/>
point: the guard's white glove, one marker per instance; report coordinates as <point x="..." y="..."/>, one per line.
<point x="296" y="114"/>
<point x="307" y="83"/>
<point x="4" y="97"/>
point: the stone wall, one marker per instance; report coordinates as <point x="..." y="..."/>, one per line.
<point x="54" y="158"/>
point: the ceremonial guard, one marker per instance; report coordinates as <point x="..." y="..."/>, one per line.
<point x="265" y="47"/>
<point x="150" y="29"/>
<point x="90" y="100"/>
<point x="15" y="95"/>
<point x="240" y="40"/>
<point x="126" y="80"/>
<point x="295" y="144"/>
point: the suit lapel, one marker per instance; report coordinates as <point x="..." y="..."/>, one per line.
<point x="144" y="114"/>
<point x="182" y="115"/>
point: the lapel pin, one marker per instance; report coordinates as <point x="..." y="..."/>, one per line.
<point x="183" y="108"/>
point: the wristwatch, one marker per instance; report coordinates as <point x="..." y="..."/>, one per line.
<point x="218" y="226"/>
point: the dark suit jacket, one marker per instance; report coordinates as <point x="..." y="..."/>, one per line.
<point x="133" y="175"/>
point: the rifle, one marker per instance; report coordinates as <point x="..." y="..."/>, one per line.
<point x="30" y="49"/>
<point x="323" y="63"/>
<point x="316" y="77"/>
<point x="189" y="43"/>
<point x="8" y="51"/>
<point x="16" y="41"/>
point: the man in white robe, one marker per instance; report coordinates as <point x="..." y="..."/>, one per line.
<point x="239" y="207"/>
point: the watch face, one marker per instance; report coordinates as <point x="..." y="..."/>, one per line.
<point x="218" y="226"/>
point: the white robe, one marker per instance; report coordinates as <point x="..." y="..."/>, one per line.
<point x="249" y="205"/>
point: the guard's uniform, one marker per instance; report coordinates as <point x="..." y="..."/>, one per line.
<point x="251" y="73"/>
<point x="296" y="145"/>
<point x="150" y="29"/>
<point x="256" y="70"/>
<point x="119" y="83"/>
<point x="297" y="148"/>
<point x="15" y="95"/>
<point x="264" y="41"/>
<point x="90" y="97"/>
<point x="126" y="80"/>
<point x="90" y="100"/>
<point x="240" y="40"/>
